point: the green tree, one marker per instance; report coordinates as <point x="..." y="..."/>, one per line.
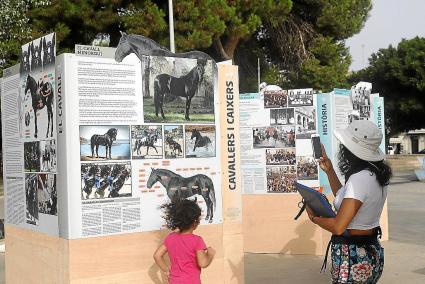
<point x="308" y="46"/>
<point x="398" y="74"/>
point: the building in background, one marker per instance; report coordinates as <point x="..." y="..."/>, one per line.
<point x="411" y="142"/>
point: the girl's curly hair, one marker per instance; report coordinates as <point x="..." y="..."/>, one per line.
<point x="181" y="214"/>
<point x="349" y="164"/>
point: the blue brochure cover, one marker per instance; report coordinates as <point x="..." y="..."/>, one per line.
<point x="316" y="201"/>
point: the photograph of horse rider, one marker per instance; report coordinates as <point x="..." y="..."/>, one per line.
<point x="356" y="253"/>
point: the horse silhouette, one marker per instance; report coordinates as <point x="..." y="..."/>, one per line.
<point x="148" y="142"/>
<point x="41" y="96"/>
<point x="181" y="187"/>
<point x="200" y="141"/>
<point x="103" y="140"/>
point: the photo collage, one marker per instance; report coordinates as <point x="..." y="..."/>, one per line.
<point x="37" y="126"/>
<point x="292" y="120"/>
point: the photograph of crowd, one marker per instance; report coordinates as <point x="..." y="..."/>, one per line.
<point x="306" y="122"/>
<point x="146" y="141"/>
<point x="281" y="179"/>
<point x="280" y="156"/>
<point x="300" y="97"/>
<point x="174" y="141"/>
<point x="105" y="180"/>
<point x="307" y="168"/>
<point x="46" y="194"/>
<point x="32" y="156"/>
<point x="283" y="116"/>
<point x="273" y="136"/>
<point x="275" y="99"/>
<point x="31" y="199"/>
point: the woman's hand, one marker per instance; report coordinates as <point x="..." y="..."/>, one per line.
<point x="324" y="162"/>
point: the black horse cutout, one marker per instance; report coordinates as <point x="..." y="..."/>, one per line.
<point x="143" y="46"/>
<point x="41" y="96"/>
<point x="175" y="147"/>
<point x="181" y="187"/>
<point x="25" y="60"/>
<point x="48" y="51"/>
<point x="36" y="55"/>
<point x="200" y="141"/>
<point x="104" y="140"/>
<point x="167" y="87"/>
<point x="148" y="142"/>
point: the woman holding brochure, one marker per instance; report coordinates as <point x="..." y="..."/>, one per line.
<point x="357" y="255"/>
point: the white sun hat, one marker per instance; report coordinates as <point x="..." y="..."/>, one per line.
<point x="362" y="138"/>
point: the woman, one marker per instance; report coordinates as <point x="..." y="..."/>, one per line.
<point x="357" y="256"/>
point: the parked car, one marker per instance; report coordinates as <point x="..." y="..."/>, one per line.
<point x="421" y="151"/>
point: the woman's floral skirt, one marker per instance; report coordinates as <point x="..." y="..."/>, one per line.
<point x="357" y="263"/>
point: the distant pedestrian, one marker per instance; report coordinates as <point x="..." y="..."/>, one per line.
<point x="187" y="251"/>
<point x="357" y="255"/>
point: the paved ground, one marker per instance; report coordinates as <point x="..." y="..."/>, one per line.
<point x="404" y="252"/>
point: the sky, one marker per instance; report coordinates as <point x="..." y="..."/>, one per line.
<point x="389" y="21"/>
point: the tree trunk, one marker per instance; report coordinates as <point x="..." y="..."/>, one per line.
<point x="220" y="49"/>
<point x="231" y="44"/>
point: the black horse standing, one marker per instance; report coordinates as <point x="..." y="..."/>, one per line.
<point x="41" y="96"/>
<point x="105" y="140"/>
<point x="167" y="87"/>
<point x="200" y="141"/>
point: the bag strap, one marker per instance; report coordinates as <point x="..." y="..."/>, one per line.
<point x="301" y="209"/>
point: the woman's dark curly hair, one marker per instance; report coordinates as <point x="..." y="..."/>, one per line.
<point x="349" y="164"/>
<point x="181" y="214"/>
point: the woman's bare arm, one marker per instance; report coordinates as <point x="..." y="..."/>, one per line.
<point x="326" y="165"/>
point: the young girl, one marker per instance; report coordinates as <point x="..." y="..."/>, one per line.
<point x="187" y="252"/>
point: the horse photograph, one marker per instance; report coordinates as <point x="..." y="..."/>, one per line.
<point x="177" y="186"/>
<point x="105" y="180"/>
<point x="49" y="50"/>
<point x="282" y="136"/>
<point x="305" y="118"/>
<point x="32" y="156"/>
<point x="174" y="141"/>
<point x="25" y="66"/>
<point x="46" y="194"/>
<point x="48" y="160"/>
<point x="38" y="106"/>
<point x="104" y="142"/>
<point x="146" y="141"/>
<point x="200" y="141"/>
<point x="31" y="199"/>
<point x="36" y="54"/>
<point x="178" y="90"/>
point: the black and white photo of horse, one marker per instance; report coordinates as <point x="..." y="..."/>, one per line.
<point x="104" y="142"/>
<point x="32" y="156"/>
<point x="105" y="180"/>
<point x="36" y="54"/>
<point x="49" y="50"/>
<point x="174" y="141"/>
<point x="25" y="66"/>
<point x="31" y="200"/>
<point x="200" y="141"/>
<point x="177" y="186"/>
<point x="178" y="90"/>
<point x="146" y="141"/>
<point x="41" y="95"/>
<point x="46" y="194"/>
<point x="48" y="159"/>
<point x="281" y="136"/>
<point x="275" y="99"/>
